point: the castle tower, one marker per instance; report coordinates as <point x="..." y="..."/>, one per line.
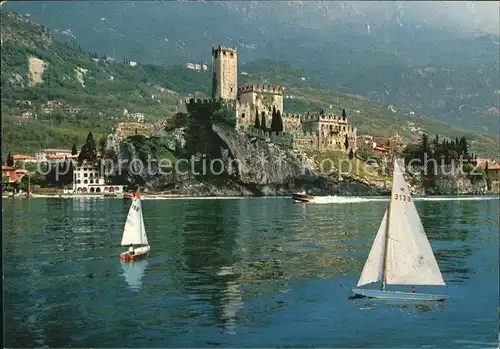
<point x="224" y="73"/>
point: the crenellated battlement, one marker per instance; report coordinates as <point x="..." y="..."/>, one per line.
<point x="258" y="88"/>
<point x="291" y="116"/>
<point x="318" y="116"/>
<point x="221" y="49"/>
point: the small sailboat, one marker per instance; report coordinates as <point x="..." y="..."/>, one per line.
<point x="401" y="253"/>
<point x="134" y="232"/>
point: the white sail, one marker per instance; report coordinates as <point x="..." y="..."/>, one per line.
<point x="372" y="271"/>
<point x="410" y="258"/>
<point x="134" y="232"/>
<point x="144" y="238"/>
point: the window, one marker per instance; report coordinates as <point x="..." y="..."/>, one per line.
<point x="78" y="181"/>
<point x="243" y="115"/>
<point x="91" y="181"/>
<point x="85" y="174"/>
<point x="85" y="181"/>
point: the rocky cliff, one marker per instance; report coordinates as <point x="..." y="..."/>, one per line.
<point x="457" y="183"/>
<point x="247" y="166"/>
<point x="251" y="167"/>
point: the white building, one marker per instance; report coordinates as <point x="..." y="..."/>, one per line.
<point x="86" y="179"/>
<point x="46" y="154"/>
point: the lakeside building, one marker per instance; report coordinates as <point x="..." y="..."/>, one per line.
<point x="86" y="179"/>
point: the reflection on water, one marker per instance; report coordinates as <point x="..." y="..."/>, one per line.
<point x="252" y="272"/>
<point x="133" y="273"/>
<point x="407" y="307"/>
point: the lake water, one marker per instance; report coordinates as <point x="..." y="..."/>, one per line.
<point x="254" y="272"/>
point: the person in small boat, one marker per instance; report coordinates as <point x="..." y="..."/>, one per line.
<point x="131" y="250"/>
<point x="413" y="289"/>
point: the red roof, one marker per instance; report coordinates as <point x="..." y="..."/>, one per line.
<point x="23" y="157"/>
<point x="21" y="117"/>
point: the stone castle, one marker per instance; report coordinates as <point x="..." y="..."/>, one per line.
<point x="312" y="131"/>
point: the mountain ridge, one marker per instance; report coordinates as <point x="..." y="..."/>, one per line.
<point x="378" y="51"/>
<point x="103" y="89"/>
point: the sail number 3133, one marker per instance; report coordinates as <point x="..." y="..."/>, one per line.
<point x="406" y="198"/>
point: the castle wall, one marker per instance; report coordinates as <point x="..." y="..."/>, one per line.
<point x="224" y="73"/>
<point x="291" y="123"/>
<point x="245" y="116"/>
<point x="127" y="129"/>
<point x="305" y="141"/>
<point x="262" y="97"/>
<point x="274" y="137"/>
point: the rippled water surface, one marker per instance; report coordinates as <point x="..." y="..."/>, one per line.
<point x="257" y="272"/>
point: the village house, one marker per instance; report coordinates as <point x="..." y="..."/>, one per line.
<point x="23" y="159"/>
<point x="54" y="155"/>
<point x="493" y="174"/>
<point x="13" y="175"/>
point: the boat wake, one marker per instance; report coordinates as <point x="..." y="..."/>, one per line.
<point x="343" y="199"/>
<point x="456" y="198"/>
<point x="194" y="198"/>
<point x="360" y="199"/>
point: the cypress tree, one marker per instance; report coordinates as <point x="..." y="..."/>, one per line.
<point x="343" y="113"/>
<point x="280" y="121"/>
<point x="257" y="119"/>
<point x="346" y="142"/>
<point x="274" y="125"/>
<point x="10" y="160"/>
<point x="74" y="151"/>
<point x="88" y="151"/>
<point x="263" y="121"/>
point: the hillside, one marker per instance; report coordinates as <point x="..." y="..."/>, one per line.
<point x="406" y="54"/>
<point x="37" y="68"/>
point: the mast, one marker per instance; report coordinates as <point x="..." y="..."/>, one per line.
<point x="384" y="271"/>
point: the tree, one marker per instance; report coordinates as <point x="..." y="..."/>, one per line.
<point x="263" y="121"/>
<point x="102" y="143"/>
<point x="425" y="143"/>
<point x="280" y="121"/>
<point x="351" y="155"/>
<point x="257" y="119"/>
<point x="274" y="124"/>
<point x="346" y="142"/>
<point x="88" y="151"/>
<point x="343" y="113"/>
<point x="74" y="151"/>
<point x="10" y="160"/>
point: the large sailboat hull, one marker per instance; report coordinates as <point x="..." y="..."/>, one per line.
<point x="398" y="295"/>
<point x="139" y="253"/>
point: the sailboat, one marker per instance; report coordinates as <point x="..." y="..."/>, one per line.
<point x="401" y="253"/>
<point x="134" y="233"/>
